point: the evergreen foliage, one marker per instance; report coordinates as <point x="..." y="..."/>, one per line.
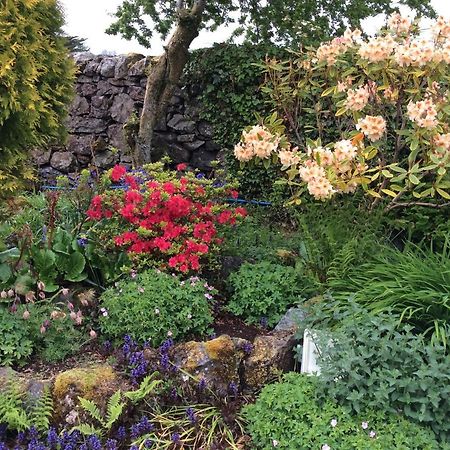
<point x="36" y="79"/>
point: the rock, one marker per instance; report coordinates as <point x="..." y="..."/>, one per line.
<point x="48" y="174"/>
<point x="161" y="125"/>
<point x="216" y="361"/>
<point x="40" y="156"/>
<point x="116" y="137"/>
<point x="96" y="383"/>
<point x="175" y="100"/>
<point x="186" y="138"/>
<point x="80" y="144"/>
<point x="101" y="102"/>
<point x="106" y="159"/>
<point x="271" y="354"/>
<point x="178" y="154"/>
<point x="124" y="63"/>
<point x="136" y="93"/>
<point x="193" y="145"/>
<point x="292" y="320"/>
<point x="92" y="67"/>
<point x="106" y="88"/>
<point x="138" y="68"/>
<point x="203" y="159"/>
<point x="63" y="161"/>
<point x="79" y="106"/>
<point x="87" y="125"/>
<point x="82" y="58"/>
<point x="229" y="264"/>
<point x="175" y="120"/>
<point x="88" y="89"/>
<point x="122" y="107"/>
<point x="211" y="146"/>
<point x="205" y="129"/>
<point x="107" y="67"/>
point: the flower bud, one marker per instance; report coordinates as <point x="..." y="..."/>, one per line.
<point x="41" y="285"/>
<point x="54" y="314"/>
<point x="92" y="334"/>
<point x="3" y="294"/>
<point x="26" y="314"/>
<point x="73" y="315"/>
<point x="11" y="293"/>
<point x="70" y="306"/>
<point x="41" y="295"/>
<point x="65" y="291"/>
<point x="43" y="329"/>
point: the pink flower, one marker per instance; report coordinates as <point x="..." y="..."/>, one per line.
<point x="26" y="314"/>
<point x="372" y="434"/>
<point x="364" y="425"/>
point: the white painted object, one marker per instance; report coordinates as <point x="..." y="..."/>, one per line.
<point x="310" y="354"/>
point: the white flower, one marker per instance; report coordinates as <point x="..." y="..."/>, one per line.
<point x="333" y="422"/>
<point x="364" y="425"/>
<point x="275" y="443"/>
<point x="372" y="434"/>
<point x="326" y="447"/>
<point x="169" y="333"/>
<point x="156" y="311"/>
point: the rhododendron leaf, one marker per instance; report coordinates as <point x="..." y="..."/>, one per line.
<point x="341" y="111"/>
<point x="373" y="193"/>
<point x="441" y="171"/>
<point x="389" y="192"/>
<point x="386" y="173"/>
<point x="328" y="91"/>
<point x="443" y="193"/>
<point x="396" y="187"/>
<point x="413" y="179"/>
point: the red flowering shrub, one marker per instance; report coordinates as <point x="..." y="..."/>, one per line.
<point x="167" y="220"/>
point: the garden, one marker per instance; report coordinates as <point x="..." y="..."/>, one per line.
<point x="159" y="305"/>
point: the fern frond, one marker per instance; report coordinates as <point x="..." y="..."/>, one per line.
<point x="90" y="407"/>
<point x="42" y="411"/>
<point x="147" y="387"/>
<point x="87" y="429"/>
<point x="12" y="412"/>
<point x="114" y="409"/>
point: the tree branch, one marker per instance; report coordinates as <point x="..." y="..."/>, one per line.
<point x="199" y="7"/>
<point x="428" y="205"/>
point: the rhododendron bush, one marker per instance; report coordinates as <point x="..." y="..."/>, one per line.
<point x="170" y="220"/>
<point x="369" y="112"/>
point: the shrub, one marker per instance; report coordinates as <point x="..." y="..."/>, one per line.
<point x="36" y="83"/>
<point x="265" y="291"/>
<point x="154" y="306"/>
<point x="374" y="364"/>
<point x="162" y="219"/>
<point x="381" y="109"/>
<point x="289" y="415"/>
<point x="33" y="329"/>
<point x="414" y="284"/>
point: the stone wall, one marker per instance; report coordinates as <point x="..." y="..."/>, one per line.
<point x="108" y="90"/>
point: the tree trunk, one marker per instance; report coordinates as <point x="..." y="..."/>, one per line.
<point x="163" y="77"/>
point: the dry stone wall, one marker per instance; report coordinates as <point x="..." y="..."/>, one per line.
<point x="109" y="89"/>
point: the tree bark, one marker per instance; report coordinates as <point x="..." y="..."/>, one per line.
<point x="164" y="76"/>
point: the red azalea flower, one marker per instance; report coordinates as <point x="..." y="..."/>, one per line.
<point x="118" y="172"/>
<point x="181" y="166"/>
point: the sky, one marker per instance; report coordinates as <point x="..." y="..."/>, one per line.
<point x="90" y="18"/>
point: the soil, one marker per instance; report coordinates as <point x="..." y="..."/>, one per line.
<point x="227" y="323"/>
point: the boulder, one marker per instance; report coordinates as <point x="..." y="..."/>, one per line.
<point x="80" y="144"/>
<point x="63" y="161"/>
<point x="193" y="145"/>
<point x="186" y="137"/>
<point x="106" y="88"/>
<point x="292" y="320"/>
<point x="96" y="383"/>
<point x="40" y="156"/>
<point x="82" y="58"/>
<point x="122" y="107"/>
<point x="271" y="355"/>
<point x="87" y="89"/>
<point x="138" y="68"/>
<point x="116" y="137"/>
<point x="107" y="67"/>
<point x="106" y="159"/>
<point x="89" y="125"/>
<point x="205" y="129"/>
<point x="124" y="63"/>
<point x="136" y="93"/>
<point x="92" y="67"/>
<point x="202" y="159"/>
<point x="217" y="361"/>
<point x="79" y="106"/>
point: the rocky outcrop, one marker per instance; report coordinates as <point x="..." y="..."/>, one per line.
<point x="109" y="90"/>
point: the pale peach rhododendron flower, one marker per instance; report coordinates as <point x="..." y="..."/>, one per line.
<point x="357" y="99"/>
<point x="323" y="156"/>
<point x="377" y="49"/>
<point x="258" y="141"/>
<point x="442" y="143"/>
<point x="372" y="126"/>
<point x="344" y="150"/>
<point x="398" y="23"/>
<point x="289" y="157"/>
<point x="423" y="113"/>
<point x="441" y="28"/>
